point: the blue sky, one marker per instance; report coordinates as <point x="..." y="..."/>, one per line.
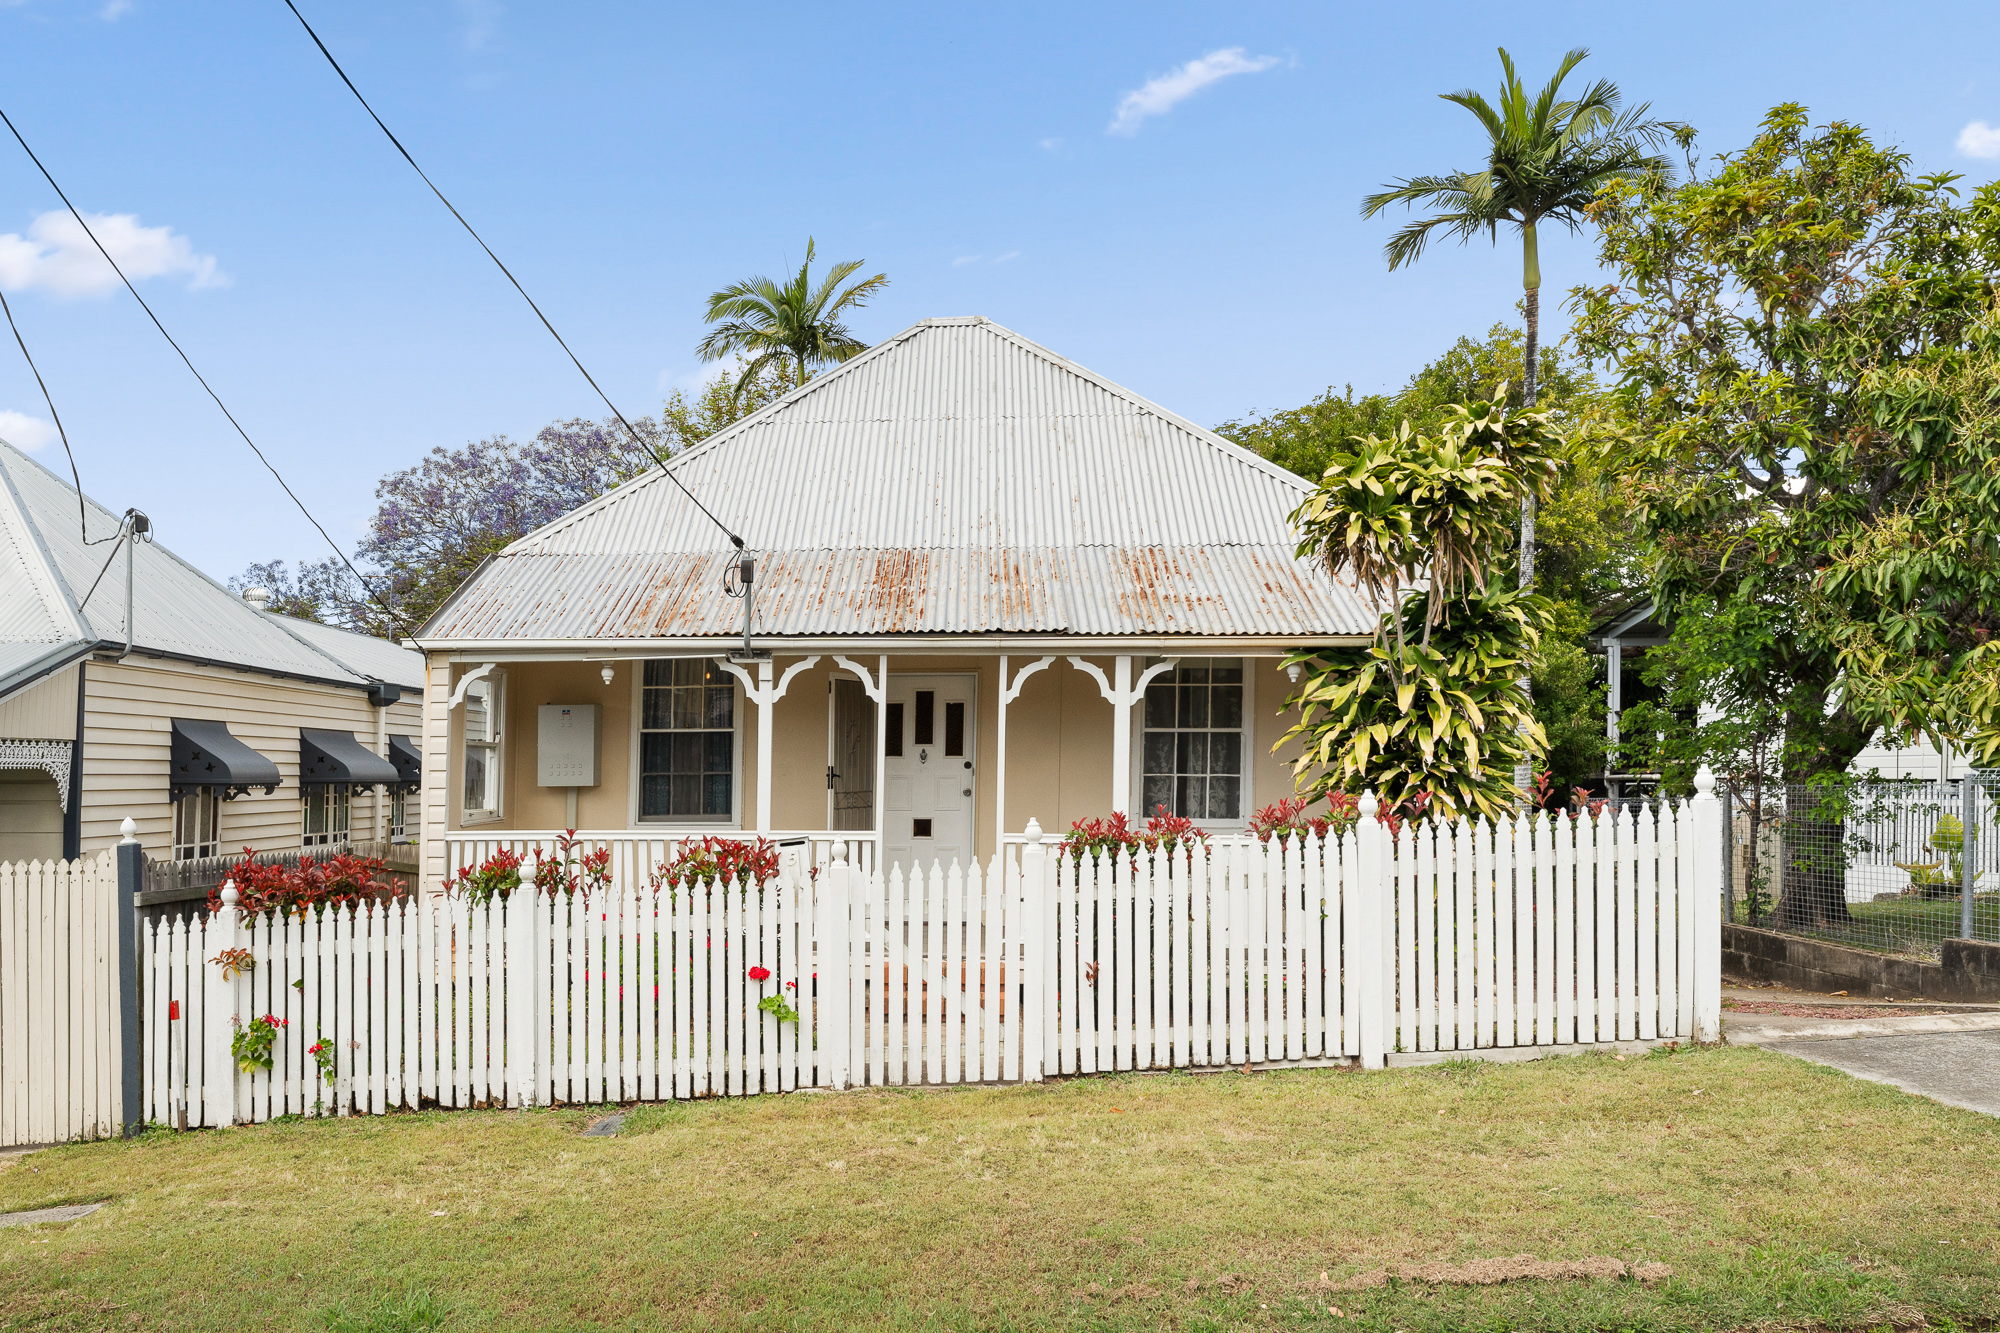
<point x="1199" y="243"/>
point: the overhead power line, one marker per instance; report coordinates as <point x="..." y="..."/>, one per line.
<point x="82" y="520"/>
<point x="638" y="438"/>
<point x="394" y="617"/>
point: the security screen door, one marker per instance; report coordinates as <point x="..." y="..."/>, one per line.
<point x="928" y="803"/>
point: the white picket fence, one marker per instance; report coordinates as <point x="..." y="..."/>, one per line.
<point x="1534" y="931"/>
<point x="60" y="1070"/>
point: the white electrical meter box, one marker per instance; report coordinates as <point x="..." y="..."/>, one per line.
<point x="566" y="745"/>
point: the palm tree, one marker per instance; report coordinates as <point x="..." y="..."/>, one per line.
<point x="767" y="322"/>
<point x="1546" y="160"/>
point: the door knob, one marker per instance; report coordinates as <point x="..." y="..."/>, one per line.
<point x="968" y="763"/>
<point x="966" y="792"/>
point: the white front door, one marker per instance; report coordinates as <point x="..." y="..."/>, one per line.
<point x="928" y="802"/>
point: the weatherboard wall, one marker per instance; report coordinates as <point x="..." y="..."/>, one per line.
<point x="128" y="740"/>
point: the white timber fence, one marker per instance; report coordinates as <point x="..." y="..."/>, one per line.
<point x="1432" y="936"/>
<point x="68" y="1026"/>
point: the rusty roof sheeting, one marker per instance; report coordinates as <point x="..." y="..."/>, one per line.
<point x="954" y="479"/>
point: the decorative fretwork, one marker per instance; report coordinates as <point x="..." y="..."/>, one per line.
<point x="52" y="757"/>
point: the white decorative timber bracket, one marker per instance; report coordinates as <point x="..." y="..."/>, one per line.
<point x="52" y="757"/>
<point x="465" y="683"/>
<point x="1013" y="691"/>
<point x="765" y="695"/>
<point x="1122" y="696"/>
<point x="869" y="684"/>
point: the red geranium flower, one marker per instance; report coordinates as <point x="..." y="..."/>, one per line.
<point x="760" y="974"/>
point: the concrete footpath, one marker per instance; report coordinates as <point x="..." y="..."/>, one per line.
<point x="1950" y="1054"/>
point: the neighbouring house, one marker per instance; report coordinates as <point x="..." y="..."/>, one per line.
<point x="211" y="723"/>
<point x="988" y="585"/>
<point x="1625" y="640"/>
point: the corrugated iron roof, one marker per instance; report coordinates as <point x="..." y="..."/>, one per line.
<point x="956" y="478"/>
<point x="45" y="567"/>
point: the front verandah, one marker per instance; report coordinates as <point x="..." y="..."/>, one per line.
<point x="943" y="749"/>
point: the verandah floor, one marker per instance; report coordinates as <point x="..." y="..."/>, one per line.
<point x="1776" y="1190"/>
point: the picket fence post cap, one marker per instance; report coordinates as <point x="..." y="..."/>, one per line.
<point x="840" y="850"/>
<point x="1704" y="781"/>
<point x="229" y="894"/>
<point x="127" y="830"/>
<point x="1368" y="805"/>
<point x="1033" y="833"/>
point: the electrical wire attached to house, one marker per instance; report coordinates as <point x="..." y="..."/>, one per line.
<point x="394" y="617"/>
<point x="82" y="515"/>
<point x="574" y="360"/>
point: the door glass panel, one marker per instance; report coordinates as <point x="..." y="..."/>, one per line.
<point x="926" y="711"/>
<point x="895" y="743"/>
<point x="920" y="828"/>
<point x="954" y="729"/>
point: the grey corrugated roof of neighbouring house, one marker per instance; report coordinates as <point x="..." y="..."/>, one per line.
<point x="373" y="657"/>
<point x="46" y="567"/>
<point x="955" y="479"/>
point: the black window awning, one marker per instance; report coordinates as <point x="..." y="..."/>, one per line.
<point x="409" y="762"/>
<point x="336" y="759"/>
<point x="206" y="755"/>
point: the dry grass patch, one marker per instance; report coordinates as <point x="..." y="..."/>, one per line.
<point x="1775" y="1190"/>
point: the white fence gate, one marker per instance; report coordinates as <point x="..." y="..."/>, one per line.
<point x="60" y="1067"/>
<point x="1536" y="931"/>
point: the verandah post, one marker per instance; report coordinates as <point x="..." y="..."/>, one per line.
<point x="125" y="905"/>
<point x="1038" y="947"/>
<point x="1708" y="850"/>
<point x="1369" y="952"/>
<point x="222" y="1008"/>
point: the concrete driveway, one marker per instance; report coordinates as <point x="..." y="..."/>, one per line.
<point x="1956" y="1068"/>
<point x="1950" y="1054"/>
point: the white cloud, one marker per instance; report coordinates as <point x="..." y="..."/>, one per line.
<point x="1011" y="254"/>
<point x="25" y="432"/>
<point x="1053" y="145"/>
<point x="482" y="18"/>
<point x="1979" y="140"/>
<point x="114" y="10"/>
<point x="963" y="260"/>
<point x="56" y="256"/>
<point x="1163" y="94"/>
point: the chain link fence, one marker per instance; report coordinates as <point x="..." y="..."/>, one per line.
<point x="1899" y="865"/>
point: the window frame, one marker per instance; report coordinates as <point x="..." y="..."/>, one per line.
<point x="191" y="851"/>
<point x="495" y="682"/>
<point x="636" y="793"/>
<point x="1247" y="736"/>
<point x="399" y="814"/>
<point x="339" y="799"/>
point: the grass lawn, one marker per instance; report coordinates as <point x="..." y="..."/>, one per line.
<point x="1781" y="1194"/>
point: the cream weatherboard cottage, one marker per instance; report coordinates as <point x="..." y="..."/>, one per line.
<point x="212" y="724"/>
<point x="988" y="585"/>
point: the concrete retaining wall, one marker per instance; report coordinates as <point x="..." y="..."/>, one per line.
<point x="1968" y="974"/>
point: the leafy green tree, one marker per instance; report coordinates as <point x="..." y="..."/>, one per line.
<point x="766" y="322"/>
<point x="1797" y="335"/>
<point x="1588" y="560"/>
<point x="1432" y="709"/>
<point x="1546" y="159"/>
